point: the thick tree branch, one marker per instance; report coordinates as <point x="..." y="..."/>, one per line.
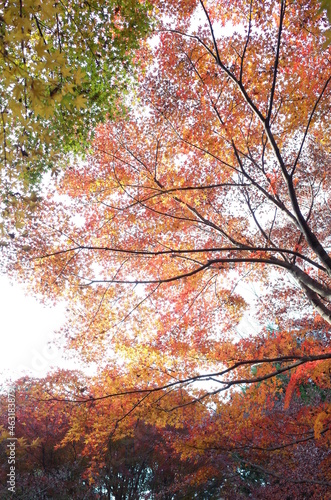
<point x="175" y="251"/>
<point x="310" y="237"/>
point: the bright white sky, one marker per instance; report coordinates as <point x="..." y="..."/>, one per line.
<point x="26" y="328"/>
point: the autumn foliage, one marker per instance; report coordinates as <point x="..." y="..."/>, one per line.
<point x="216" y="181"/>
<point x="63" y="66"/>
<point x="74" y="441"/>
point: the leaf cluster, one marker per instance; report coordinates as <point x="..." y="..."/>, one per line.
<point x="64" y="67"/>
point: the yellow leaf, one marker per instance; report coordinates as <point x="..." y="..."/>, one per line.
<point x="41" y="48"/>
<point x="318" y="426"/>
<point x="79" y="76"/>
<point x="80" y="102"/>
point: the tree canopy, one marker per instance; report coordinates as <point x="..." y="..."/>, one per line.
<point x="64" y="68"/>
<point x="217" y="178"/>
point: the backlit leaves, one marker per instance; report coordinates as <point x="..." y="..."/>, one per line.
<point x="209" y="200"/>
<point x="64" y="66"/>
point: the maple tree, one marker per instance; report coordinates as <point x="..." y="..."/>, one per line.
<point x="218" y="176"/>
<point x="64" y="67"/>
<point x="224" y="173"/>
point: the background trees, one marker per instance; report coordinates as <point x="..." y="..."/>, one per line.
<point x="247" y="446"/>
<point x="219" y="175"/>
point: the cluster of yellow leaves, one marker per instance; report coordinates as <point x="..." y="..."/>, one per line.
<point x="57" y="60"/>
<point x="38" y="72"/>
<point x="321" y="422"/>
